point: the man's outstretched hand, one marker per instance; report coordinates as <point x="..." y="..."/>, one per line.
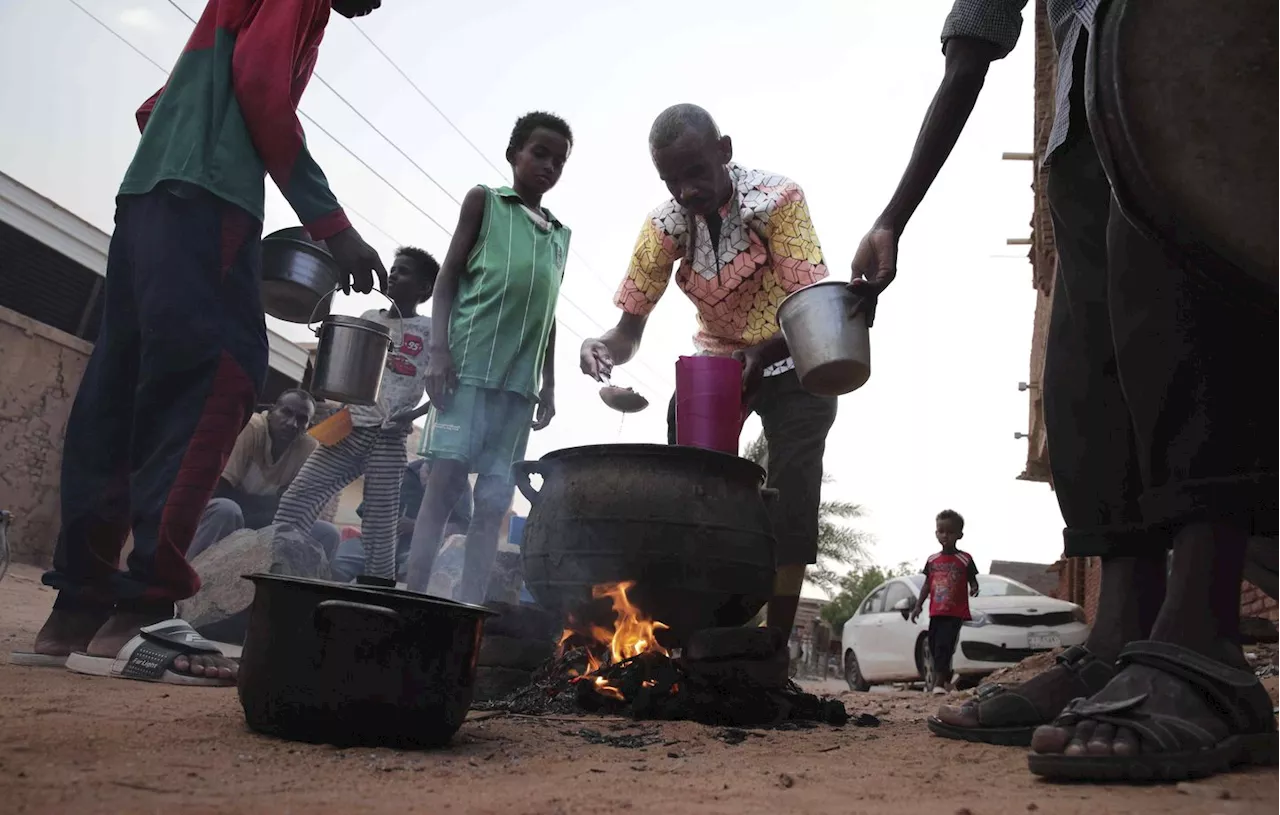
<point x="595" y="359"/>
<point x="358" y="262"/>
<point x="875" y="265"/>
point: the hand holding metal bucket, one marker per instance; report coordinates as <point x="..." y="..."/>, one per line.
<point x="828" y="338"/>
<point x="350" y="356"/>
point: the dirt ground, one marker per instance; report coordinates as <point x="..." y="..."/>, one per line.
<point x="71" y="743"/>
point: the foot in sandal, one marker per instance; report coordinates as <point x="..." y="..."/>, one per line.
<point x="153" y="646"/>
<point x="64" y="633"/>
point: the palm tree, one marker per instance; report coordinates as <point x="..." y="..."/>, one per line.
<point x="839" y="544"/>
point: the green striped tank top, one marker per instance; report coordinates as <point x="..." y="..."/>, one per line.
<point x="506" y="301"/>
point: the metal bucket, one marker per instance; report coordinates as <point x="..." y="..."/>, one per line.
<point x="350" y="357"/>
<point x="299" y="276"/>
<point x="832" y="350"/>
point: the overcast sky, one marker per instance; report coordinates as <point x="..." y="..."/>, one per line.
<point x="830" y="94"/>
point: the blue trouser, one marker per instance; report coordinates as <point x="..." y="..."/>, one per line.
<point x="174" y="376"/>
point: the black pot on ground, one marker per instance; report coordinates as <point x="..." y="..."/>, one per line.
<point x="690" y="527"/>
<point x="357" y="665"/>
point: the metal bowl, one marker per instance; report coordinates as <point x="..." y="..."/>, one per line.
<point x="298" y="276"/>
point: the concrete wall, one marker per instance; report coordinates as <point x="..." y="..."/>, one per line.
<point x="40" y="369"/>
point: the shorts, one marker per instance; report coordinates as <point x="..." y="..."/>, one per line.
<point x="485" y="428"/>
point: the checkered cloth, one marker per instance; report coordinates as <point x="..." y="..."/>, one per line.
<point x="1000" y="21"/>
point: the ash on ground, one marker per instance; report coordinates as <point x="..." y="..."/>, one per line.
<point x="655" y="687"/>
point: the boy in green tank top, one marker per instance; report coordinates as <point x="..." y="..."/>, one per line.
<point x="492" y="348"/>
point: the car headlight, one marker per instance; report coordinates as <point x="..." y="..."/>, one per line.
<point x="1077" y="614"/>
<point x="977" y="619"/>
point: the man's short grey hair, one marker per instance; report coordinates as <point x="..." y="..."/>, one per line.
<point x="673" y="122"/>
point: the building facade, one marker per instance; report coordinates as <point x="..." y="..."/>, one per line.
<point x="52" y="270"/>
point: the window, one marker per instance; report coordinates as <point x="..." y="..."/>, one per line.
<point x="992" y="586"/>
<point x="898" y="592"/>
<point x="875" y="603"/>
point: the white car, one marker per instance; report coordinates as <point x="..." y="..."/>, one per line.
<point x="1010" y="623"/>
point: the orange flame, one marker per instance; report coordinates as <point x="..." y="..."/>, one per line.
<point x="632" y="635"/>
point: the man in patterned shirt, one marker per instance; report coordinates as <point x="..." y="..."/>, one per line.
<point x="744" y="241"/>
<point x="1156" y="440"/>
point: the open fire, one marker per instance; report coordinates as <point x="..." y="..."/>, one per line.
<point x="632" y="636"/>
<point x="725" y="676"/>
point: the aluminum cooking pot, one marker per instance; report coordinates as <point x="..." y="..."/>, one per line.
<point x="299" y="276"/>
<point x="350" y="355"/>
<point x="356" y="665"/>
<point x="832" y="350"/>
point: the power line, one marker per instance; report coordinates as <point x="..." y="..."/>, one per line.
<point x="423" y="94"/>
<point x="120" y="37"/>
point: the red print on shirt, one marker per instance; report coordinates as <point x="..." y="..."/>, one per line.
<point x="398" y="362"/>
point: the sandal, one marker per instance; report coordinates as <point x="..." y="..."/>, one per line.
<point x="150" y="655"/>
<point x="1235" y="726"/>
<point x="1008" y="718"/>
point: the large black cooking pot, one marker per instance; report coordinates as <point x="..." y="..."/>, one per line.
<point x="357" y="665"/>
<point x="688" y="526"/>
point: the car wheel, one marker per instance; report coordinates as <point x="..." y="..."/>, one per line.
<point x="853" y="674"/>
<point x="924" y="664"/>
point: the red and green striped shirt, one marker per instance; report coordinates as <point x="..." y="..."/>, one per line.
<point x="228" y="115"/>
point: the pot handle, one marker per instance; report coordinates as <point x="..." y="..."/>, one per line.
<point x="769" y="494"/>
<point x="522" y="470"/>
<point x="323" y="616"/>
<point x="329" y="297"/>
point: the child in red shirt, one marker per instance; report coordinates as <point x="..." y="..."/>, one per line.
<point x="945" y="576"/>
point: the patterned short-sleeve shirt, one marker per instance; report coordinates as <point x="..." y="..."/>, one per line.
<point x="768" y="249"/>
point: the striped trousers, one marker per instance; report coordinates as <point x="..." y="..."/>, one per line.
<point x="379" y="455"/>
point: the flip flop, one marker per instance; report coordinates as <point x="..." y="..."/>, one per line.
<point x="149" y="655"/>
<point x="30" y="659"/>
<point x="1240" y="727"/>
<point x="1008" y="718"/>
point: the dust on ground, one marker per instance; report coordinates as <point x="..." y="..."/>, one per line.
<point x="72" y="743"/>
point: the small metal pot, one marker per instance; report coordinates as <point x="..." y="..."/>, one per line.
<point x="832" y="350"/>
<point x="299" y="276"/>
<point x="356" y="665"/>
<point x="350" y="355"/>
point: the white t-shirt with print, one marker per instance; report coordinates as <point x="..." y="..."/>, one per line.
<point x="404" y="379"/>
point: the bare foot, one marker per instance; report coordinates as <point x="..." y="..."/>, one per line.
<point x="66" y="632"/>
<point x="123" y="626"/>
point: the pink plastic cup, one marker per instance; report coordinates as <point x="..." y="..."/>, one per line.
<point x="709" y="409"/>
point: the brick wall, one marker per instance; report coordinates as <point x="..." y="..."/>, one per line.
<point x="1079" y="580"/>
<point x="1255" y="603"/>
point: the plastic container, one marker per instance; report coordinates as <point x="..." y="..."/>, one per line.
<point x="709" y="409"/>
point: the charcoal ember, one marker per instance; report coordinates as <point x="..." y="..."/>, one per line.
<point x="770" y="672"/>
<point x="735" y="643"/>
<point x="514" y="652"/>
<point x="498" y="683"/>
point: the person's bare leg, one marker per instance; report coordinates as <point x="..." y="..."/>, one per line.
<point x="68" y="630"/>
<point x="781" y="612"/>
<point x="1130" y="594"/>
<point x="493" y="498"/>
<point x="1201" y="611"/>
<point x="445" y="483"/>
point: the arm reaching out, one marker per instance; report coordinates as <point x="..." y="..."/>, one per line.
<point x="968" y="56"/>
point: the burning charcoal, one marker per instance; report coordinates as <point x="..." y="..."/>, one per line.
<point x="735" y="643"/>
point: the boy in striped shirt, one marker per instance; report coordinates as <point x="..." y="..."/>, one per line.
<point x="492" y="348"/>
